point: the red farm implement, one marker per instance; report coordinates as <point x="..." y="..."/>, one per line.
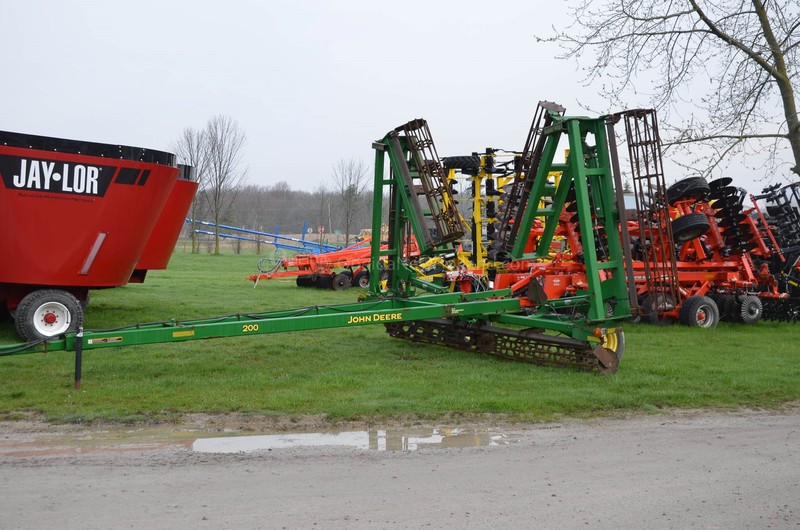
<point x="80" y="216"/>
<point x="698" y="253"/>
<point x="337" y="270"/>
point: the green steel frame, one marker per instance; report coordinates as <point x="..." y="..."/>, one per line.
<point x="588" y="167"/>
<point x="301" y="319"/>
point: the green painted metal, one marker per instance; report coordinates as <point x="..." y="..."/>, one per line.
<point x="588" y="167"/>
<point x="302" y="319"/>
<point x="420" y="206"/>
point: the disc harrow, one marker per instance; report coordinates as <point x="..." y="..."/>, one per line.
<point x="527" y="345"/>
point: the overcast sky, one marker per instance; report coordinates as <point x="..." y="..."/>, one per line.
<point x="310" y="82"/>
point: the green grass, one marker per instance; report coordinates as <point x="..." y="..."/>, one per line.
<point x="357" y="373"/>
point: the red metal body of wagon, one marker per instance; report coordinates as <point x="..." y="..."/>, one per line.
<point x="79" y="216"/>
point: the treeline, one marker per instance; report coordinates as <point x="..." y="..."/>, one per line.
<point x="278" y="207"/>
<point x="343" y="204"/>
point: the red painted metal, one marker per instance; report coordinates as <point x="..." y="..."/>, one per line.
<point x="78" y="239"/>
<point x="81" y="215"/>
<point x="161" y="243"/>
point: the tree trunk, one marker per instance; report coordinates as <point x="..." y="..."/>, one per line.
<point x="784" y="83"/>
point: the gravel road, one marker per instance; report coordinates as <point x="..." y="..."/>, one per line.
<point x="677" y="470"/>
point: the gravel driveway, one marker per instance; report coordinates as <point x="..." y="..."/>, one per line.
<point x="676" y="470"/>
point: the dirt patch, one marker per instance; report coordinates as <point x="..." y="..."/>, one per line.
<point x="28" y="423"/>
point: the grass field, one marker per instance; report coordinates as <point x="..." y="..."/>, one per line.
<point x="361" y="373"/>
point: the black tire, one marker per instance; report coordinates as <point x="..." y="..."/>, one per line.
<point x="728" y="307"/>
<point x="85" y="302"/>
<point x="661" y="304"/>
<point x="324" y="281"/>
<point x="306" y="280"/>
<point x="750" y="310"/>
<point x="690" y="226"/>
<point x="689" y="188"/>
<point x="461" y="162"/>
<point x="341" y="282"/>
<point x="699" y="311"/>
<point x="47" y="313"/>
<point x="361" y="280"/>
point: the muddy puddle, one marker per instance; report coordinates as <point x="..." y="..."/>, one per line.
<point x="376" y="440"/>
<point x="144" y="439"/>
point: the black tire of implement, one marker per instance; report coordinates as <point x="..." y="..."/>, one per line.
<point x="731" y="306"/>
<point x="33" y="301"/>
<point x="690" y="226"/>
<point x="323" y="281"/>
<point x="461" y="162"/>
<point x="361" y="280"/>
<point x="341" y="282"/>
<point x="304" y="281"/>
<point x="692" y="306"/>
<point x="663" y="303"/>
<point x="689" y="188"/>
<point x="725" y="302"/>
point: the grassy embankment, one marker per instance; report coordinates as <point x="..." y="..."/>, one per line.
<point x="360" y="372"/>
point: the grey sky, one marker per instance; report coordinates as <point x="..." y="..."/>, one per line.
<point x="309" y="81"/>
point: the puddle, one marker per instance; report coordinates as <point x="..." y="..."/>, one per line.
<point x="146" y="439"/>
<point x="376" y="440"/>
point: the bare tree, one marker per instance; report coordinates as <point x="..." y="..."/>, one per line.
<point x="322" y="208"/>
<point x="350" y="184"/>
<point x="192" y="149"/>
<point x="224" y="164"/>
<point x="733" y="63"/>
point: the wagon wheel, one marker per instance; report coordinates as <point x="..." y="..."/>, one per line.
<point x="45" y="313"/>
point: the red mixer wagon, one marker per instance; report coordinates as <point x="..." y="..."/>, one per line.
<point x="78" y="216"/>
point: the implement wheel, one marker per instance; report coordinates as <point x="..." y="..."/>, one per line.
<point x="361" y="280"/>
<point x="750" y="310"/>
<point x="461" y="162"/>
<point x="306" y="280"/>
<point x="690" y="226"/>
<point x="341" y="282"/>
<point x="689" y="188"/>
<point x="610" y="351"/>
<point x="699" y="311"/>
